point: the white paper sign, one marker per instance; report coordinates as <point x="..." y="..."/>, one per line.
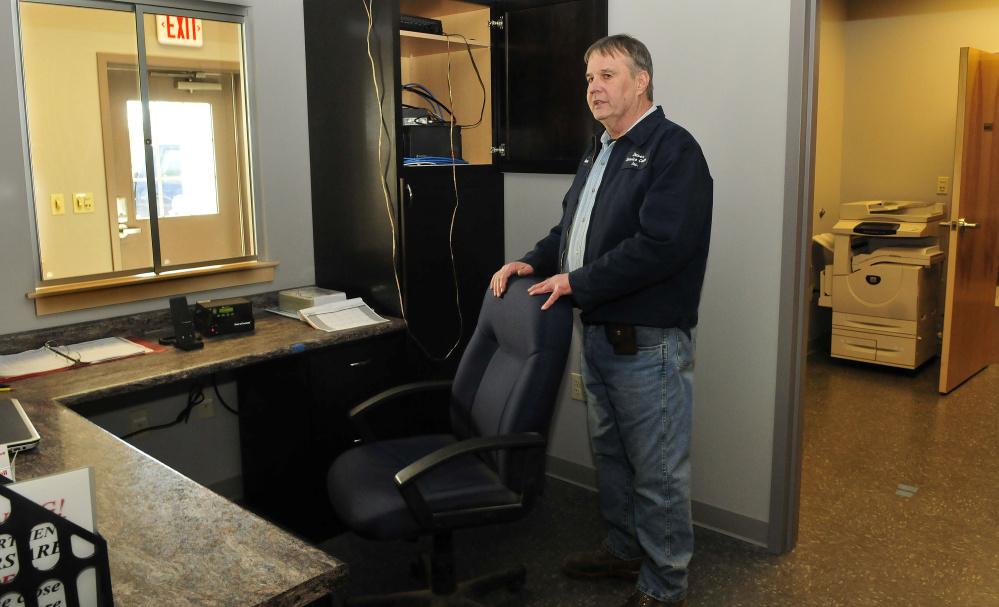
<point x="71" y="496"/>
<point x="5" y="470"/>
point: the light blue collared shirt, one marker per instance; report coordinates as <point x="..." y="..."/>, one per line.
<point x="584" y="208"/>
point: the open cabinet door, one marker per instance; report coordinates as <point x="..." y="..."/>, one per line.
<point x="973" y="259"/>
<point x="539" y="90"/>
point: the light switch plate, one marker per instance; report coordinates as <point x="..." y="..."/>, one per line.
<point x="83" y="203"/>
<point x="58" y="204"/>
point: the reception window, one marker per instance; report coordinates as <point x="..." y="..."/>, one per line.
<point x="138" y="140"/>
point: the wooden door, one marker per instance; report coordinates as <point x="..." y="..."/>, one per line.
<point x="973" y="260"/>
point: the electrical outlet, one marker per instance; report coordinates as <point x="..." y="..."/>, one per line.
<point x="577" y="387"/>
<point x="943" y="185"/>
<point x="139" y="419"/>
<point x="206" y="409"/>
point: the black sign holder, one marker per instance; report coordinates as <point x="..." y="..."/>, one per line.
<point x="26" y="515"/>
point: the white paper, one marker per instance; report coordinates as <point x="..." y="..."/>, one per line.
<point x="281" y="312"/>
<point x="320" y="296"/>
<point x="68" y="494"/>
<point x="31" y="362"/>
<point x="43" y="359"/>
<point x="99" y="350"/>
<point x="340" y="315"/>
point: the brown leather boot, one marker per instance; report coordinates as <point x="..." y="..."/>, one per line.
<point x="640" y="599"/>
<point x="599" y="564"/>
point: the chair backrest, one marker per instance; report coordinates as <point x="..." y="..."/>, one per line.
<point x="509" y="376"/>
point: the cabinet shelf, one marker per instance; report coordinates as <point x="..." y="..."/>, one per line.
<point x="419" y="44"/>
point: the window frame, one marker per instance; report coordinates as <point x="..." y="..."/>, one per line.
<point x="107" y="288"/>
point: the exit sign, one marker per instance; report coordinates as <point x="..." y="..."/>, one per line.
<point x="180" y="31"/>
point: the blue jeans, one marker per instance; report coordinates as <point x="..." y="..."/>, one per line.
<point x="640" y="422"/>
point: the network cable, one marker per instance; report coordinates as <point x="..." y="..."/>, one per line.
<point x="432" y="161"/>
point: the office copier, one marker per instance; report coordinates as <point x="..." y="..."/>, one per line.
<point x="884" y="283"/>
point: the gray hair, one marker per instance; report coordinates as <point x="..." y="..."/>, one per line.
<point x="636" y="54"/>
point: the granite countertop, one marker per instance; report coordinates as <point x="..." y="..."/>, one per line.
<point x="170" y="540"/>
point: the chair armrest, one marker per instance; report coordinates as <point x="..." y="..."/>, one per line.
<point x="358" y="414"/>
<point x="531" y="442"/>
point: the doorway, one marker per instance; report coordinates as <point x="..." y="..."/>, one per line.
<point x="202" y="202"/>
<point x="886" y="105"/>
<point x="886" y="112"/>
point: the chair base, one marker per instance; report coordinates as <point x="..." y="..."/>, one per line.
<point x="463" y="596"/>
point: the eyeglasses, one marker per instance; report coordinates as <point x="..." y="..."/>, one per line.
<point x="64" y="352"/>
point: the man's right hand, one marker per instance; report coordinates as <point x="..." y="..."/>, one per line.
<point x="498" y="283"/>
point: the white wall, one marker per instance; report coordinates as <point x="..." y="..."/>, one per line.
<point x="828" y="153"/>
<point x="276" y="54"/>
<point x="721" y="71"/>
<point x="829" y="123"/>
<point x="205" y="449"/>
<point x="901" y="93"/>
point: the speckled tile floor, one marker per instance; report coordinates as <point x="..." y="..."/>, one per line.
<point x="867" y="431"/>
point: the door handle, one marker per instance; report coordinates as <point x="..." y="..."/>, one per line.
<point x="124" y="230"/>
<point x="960" y="224"/>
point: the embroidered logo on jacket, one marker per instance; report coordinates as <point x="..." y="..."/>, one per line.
<point x="635" y="161"/>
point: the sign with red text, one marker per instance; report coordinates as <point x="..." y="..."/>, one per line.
<point x="6" y="470"/>
<point x="179" y="31"/>
<point x="69" y="495"/>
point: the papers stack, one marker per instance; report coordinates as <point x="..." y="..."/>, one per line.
<point x="293" y="300"/>
<point x="340" y="315"/>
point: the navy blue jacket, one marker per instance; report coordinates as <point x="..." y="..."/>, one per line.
<point x="647" y="244"/>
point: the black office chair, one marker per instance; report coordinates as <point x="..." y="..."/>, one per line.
<point x="489" y="469"/>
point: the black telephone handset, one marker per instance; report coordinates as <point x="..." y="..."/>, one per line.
<point x="183" y="326"/>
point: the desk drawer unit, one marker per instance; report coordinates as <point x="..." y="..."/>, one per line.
<point x="293" y="424"/>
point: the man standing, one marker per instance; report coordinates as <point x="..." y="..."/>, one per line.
<point x="631" y="250"/>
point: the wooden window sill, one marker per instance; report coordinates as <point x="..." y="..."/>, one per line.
<point x="106" y="292"/>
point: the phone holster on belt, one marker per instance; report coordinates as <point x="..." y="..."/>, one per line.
<point x="622" y="337"/>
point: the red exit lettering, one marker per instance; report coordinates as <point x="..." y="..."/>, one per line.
<point x="181" y="28"/>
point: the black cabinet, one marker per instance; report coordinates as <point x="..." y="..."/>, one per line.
<point x="443" y="293"/>
<point x="543" y="121"/>
<point x="382" y="230"/>
<point x="293" y="424"/>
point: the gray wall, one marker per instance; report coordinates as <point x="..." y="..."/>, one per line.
<point x="721" y="70"/>
<point x="281" y="146"/>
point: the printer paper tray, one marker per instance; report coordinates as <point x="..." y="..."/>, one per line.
<point x="907" y="351"/>
<point x="859" y="322"/>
